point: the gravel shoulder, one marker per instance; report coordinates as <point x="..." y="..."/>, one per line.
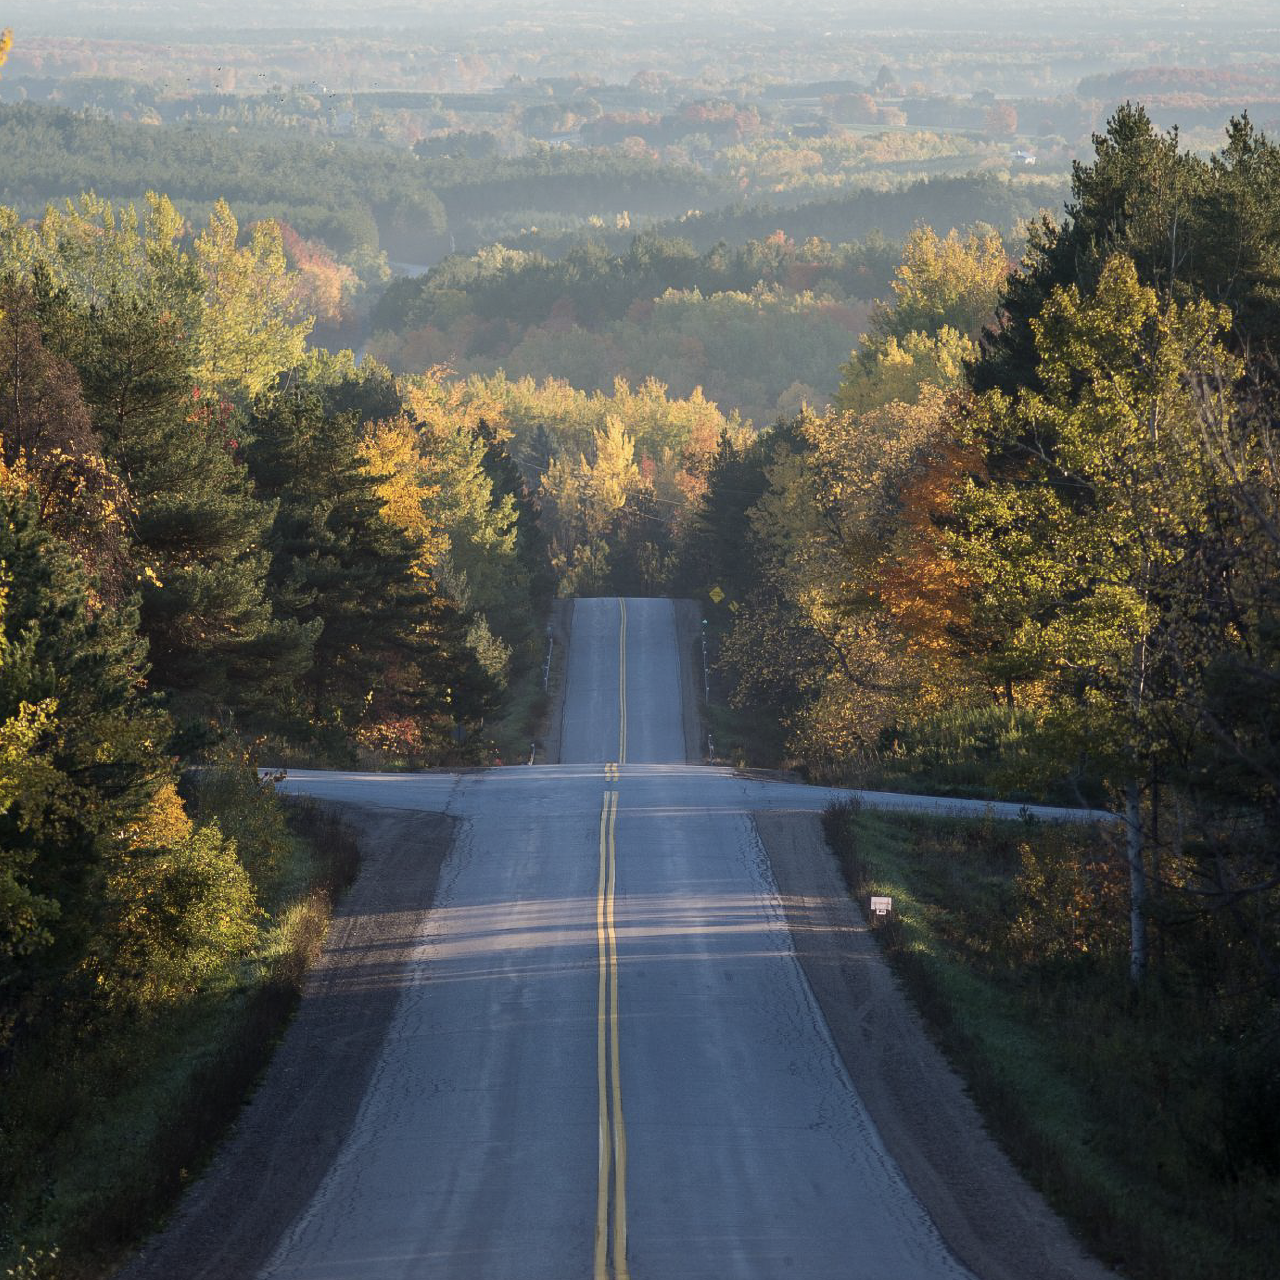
<point x="561" y="625"/>
<point x="689" y="646"/>
<point x="991" y="1218"/>
<point x="288" y="1135"/>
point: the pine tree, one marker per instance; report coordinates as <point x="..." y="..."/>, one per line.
<point x="346" y="575"/>
<point x="197" y="530"/>
<point x="104" y="758"/>
<point x="531" y="542"/>
<point x="1192" y="228"/>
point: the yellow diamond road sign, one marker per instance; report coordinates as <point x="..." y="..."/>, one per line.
<point x="716" y="594"/>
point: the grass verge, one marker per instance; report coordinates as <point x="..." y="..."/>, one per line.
<point x="1144" y="1119"/>
<point x="980" y="753"/>
<point x="102" y="1131"/>
<point x="521" y="725"/>
<point x="747" y="737"/>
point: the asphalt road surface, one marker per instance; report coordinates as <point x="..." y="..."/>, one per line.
<point x="608" y="1062"/>
<point x="593" y="1053"/>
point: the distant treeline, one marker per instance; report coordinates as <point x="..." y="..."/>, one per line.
<point x="571" y="181"/>
<point x="340" y="193"/>
<point x="760" y="328"/>
<point x="601" y="286"/>
<point x="999" y="201"/>
<point x="349" y="195"/>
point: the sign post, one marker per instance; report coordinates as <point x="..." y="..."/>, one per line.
<point x="881" y="909"/>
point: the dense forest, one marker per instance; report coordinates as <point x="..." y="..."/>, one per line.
<point x="349" y="194"/>
<point x="758" y="329"/>
<point x="1049" y="539"/>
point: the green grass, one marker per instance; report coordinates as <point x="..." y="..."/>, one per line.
<point x="748" y="737"/>
<point x="524" y="712"/>
<point x="103" y="1129"/>
<point x="986" y="752"/>
<point x="1146" y="1120"/>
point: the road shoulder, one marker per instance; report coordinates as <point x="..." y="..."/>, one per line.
<point x="560" y="626"/>
<point x="993" y="1221"/>
<point x="289" y="1134"/>
<point x="689" y="646"/>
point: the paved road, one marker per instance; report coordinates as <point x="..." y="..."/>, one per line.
<point x="608" y="1062"/>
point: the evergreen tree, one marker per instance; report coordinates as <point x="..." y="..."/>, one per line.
<point x="531" y="542"/>
<point x="1192" y="228"/>
<point x="716" y="550"/>
<point x="345" y="574"/>
<point x="102" y="756"/>
<point x="367" y="389"/>
<point x="197" y="530"/>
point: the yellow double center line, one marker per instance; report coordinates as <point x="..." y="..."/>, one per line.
<point x="611" y="1228"/>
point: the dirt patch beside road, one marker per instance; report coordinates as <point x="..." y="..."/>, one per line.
<point x="287" y="1137"/>
<point x="993" y="1221"/>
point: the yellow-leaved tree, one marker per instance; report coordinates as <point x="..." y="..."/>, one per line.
<point x="945" y="280"/>
<point x="846" y="533"/>
<point x="945" y="290"/>
<point x="250" y="329"/>
<point x="182" y="907"/>
<point x="581" y="497"/>
<point x="239" y="303"/>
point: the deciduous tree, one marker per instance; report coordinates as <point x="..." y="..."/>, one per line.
<point x="1084" y="548"/>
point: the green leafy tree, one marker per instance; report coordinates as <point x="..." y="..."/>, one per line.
<point x="1082" y="549"/>
<point x="181" y="913"/>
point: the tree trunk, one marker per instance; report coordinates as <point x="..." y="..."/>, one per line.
<point x="1137" y="884"/>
